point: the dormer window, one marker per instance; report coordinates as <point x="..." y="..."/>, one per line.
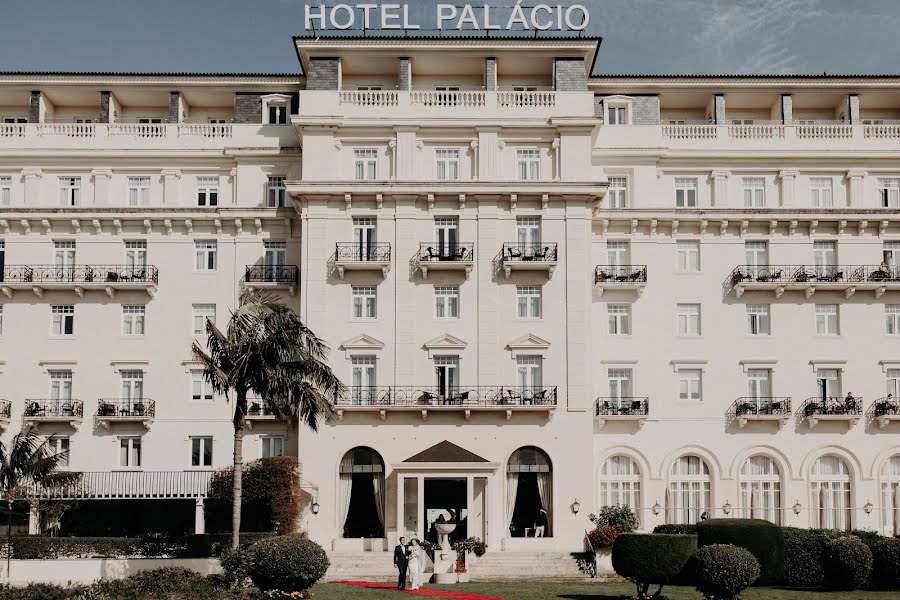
<point x="275" y="108"/>
<point x="617" y="110"/>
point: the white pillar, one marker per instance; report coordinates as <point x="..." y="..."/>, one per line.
<point x="199" y="517"/>
<point x="720" y="189"/>
<point x="470" y="504"/>
<point x="101" y="179"/>
<point x="420" y="499"/>
<point x="170" y="186"/>
<point x="789" y="187"/>
<point x="856" y="178"/>
<point x="34" y="518"/>
<point x="32" y="176"/>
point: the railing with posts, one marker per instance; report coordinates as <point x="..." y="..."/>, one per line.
<point x="620" y="274"/>
<point x="521" y="252"/>
<point x="5" y="409"/>
<point x="824" y="131"/>
<point x="446" y="252"/>
<point x="832" y="405"/>
<point x="53" y="407"/>
<point x="690" y="131"/>
<point x="805" y="274"/>
<point x="609" y="406"/>
<point x="126" y="407"/>
<point x="208" y="130"/>
<point x="536" y="99"/>
<point x="362" y="252"/>
<point x="761" y="405"/>
<point x="12" y="130"/>
<point x="111" y="485"/>
<point x="78" y="130"/>
<point x="439" y="98"/>
<point x="144" y="130"/>
<point x="887" y="406"/>
<point x="288" y="274"/>
<point x="458" y="395"/>
<point x="79" y="274"/>
<point x="756" y="132"/>
<point x="369" y="97"/>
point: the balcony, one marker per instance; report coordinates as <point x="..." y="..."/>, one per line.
<point x="356" y="256"/>
<point x="435" y="256"/>
<point x="284" y="277"/>
<point x="620" y="277"/>
<point x="125" y="410"/>
<point x="53" y="410"/>
<point x="628" y="409"/>
<point x="259" y="412"/>
<point x="885" y="410"/>
<point x="845" y="410"/>
<point x="518" y="256"/>
<point x="756" y="409"/>
<point x="461" y="399"/>
<point x="78" y="278"/>
<point x="811" y="278"/>
<point x="5" y="413"/>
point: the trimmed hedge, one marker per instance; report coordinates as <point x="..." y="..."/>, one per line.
<point x="270" y="496"/>
<point x="886" y="563"/>
<point x="288" y="563"/>
<point x="676" y="529"/>
<point x="30" y="547"/>
<point x="646" y="559"/>
<point x="848" y="563"/>
<point x="722" y="571"/>
<point x="762" y="539"/>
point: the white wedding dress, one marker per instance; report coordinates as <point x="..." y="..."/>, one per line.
<point x="416" y="565"/>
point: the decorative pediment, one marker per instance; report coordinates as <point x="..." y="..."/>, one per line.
<point x="528" y="344"/>
<point x="361" y="344"/>
<point x="444" y="344"/>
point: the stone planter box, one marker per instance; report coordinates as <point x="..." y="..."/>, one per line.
<point x="445" y="578"/>
<point x="463" y="577"/>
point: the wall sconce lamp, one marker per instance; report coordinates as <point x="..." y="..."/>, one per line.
<point x="656" y="508"/>
<point x="727" y="508"/>
<point x="315" y="507"/>
<point x="868" y="507"/>
<point x="576" y="506"/>
<point x="797" y="507"/>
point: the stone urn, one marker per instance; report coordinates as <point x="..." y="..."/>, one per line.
<point x="444" y="530"/>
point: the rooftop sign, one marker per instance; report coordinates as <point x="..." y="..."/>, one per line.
<point x="447" y="17"/>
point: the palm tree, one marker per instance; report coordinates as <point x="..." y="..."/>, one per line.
<point x="27" y="462"/>
<point x="267" y="351"/>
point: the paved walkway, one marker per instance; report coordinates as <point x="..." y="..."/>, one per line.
<point x="420" y="592"/>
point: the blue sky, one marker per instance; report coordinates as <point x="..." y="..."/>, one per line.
<point x="640" y="36"/>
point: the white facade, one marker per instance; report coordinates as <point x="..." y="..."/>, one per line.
<point x="645" y="278"/>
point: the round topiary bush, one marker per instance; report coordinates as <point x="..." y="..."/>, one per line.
<point x="723" y="571"/>
<point x="847" y="562"/>
<point x="646" y="559"/>
<point x="886" y="563"/>
<point x="676" y="528"/>
<point x="289" y="563"/>
<point x="763" y="539"/>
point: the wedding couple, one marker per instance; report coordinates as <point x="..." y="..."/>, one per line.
<point x="411" y="560"/>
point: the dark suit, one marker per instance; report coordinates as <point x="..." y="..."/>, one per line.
<point x="401" y="561"/>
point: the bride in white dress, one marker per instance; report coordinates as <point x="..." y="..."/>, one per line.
<point x="418" y="562"/>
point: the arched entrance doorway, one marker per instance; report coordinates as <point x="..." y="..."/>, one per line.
<point x="361" y="494"/>
<point x="529" y="493"/>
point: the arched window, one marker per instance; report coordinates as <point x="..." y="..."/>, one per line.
<point x="529" y="493"/>
<point x="829" y="493"/>
<point x="760" y="485"/>
<point x="360" y="507"/>
<point x="620" y="483"/>
<point x="689" y="490"/>
<point x="890" y="496"/>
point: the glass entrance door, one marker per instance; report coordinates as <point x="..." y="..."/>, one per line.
<point x="446" y="231"/>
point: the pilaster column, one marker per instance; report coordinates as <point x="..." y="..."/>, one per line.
<point x="405" y="153"/>
<point x="488" y="153"/>
<point x="720" y="188"/>
<point x="101" y="178"/>
<point x="170" y="186"/>
<point x="490" y="74"/>
<point x="719" y="109"/>
<point x="787" y="109"/>
<point x="853" y="109"/>
<point x="788" y="179"/>
<point x="31" y="176"/>
<point x="405" y="74"/>
<point x="34" y="518"/>
<point x="475" y="165"/>
<point x="199" y="517"/>
<point x="856" y="180"/>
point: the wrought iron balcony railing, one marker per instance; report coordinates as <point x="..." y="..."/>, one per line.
<point x="832" y="406"/>
<point x="54" y="408"/>
<point x="361" y="252"/>
<point x="886" y="406"/>
<point x="444" y="252"/>
<point x="79" y="274"/>
<point x="811" y="274"/>
<point x="126" y="408"/>
<point x="463" y="396"/>
<point x="610" y="406"/>
<point x="536" y="252"/>
<point x="761" y="405"/>
<point x="284" y="274"/>
<point x="620" y="274"/>
<point x="261" y="408"/>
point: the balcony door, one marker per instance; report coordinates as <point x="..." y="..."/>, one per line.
<point x="893" y="384"/>
<point x="528" y="235"/>
<point x="446" y="375"/>
<point x="2" y="259"/>
<point x="757" y="254"/>
<point x="64" y="259"/>
<point x="132" y="386"/>
<point x="274" y="259"/>
<point x="364" y="238"/>
<point x="60" y="388"/>
<point x="363" y="379"/>
<point x="447" y="95"/>
<point x="891" y="253"/>
<point x="759" y="385"/>
<point x="829" y="383"/>
<point x="135" y="257"/>
<point x="529" y="377"/>
<point x="446" y="231"/>
<point x="618" y="254"/>
<point x="619" y="386"/>
<point x="825" y="257"/>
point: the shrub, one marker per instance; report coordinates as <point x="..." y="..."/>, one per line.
<point x="236" y="565"/>
<point x="38" y="591"/>
<point x="620" y="518"/>
<point x="270" y="497"/>
<point x="762" y="539"/>
<point x="886" y="563"/>
<point x="722" y="571"/>
<point x="869" y="538"/>
<point x="472" y="544"/>
<point x="290" y="563"/>
<point x="169" y="583"/>
<point x="676" y="529"/>
<point x="848" y="563"/>
<point x="603" y="536"/>
<point x="647" y="559"/>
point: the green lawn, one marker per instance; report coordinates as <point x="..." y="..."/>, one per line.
<point x="585" y="591"/>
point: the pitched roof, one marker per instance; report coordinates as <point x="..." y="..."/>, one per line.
<point x="445" y="452"/>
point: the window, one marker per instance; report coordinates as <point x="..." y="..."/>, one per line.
<point x="528" y="374"/>
<point x="363" y="379"/>
<point x="365" y="161"/>
<point x="201" y="390"/>
<point x="272" y="446"/>
<point x="890" y="490"/>
<point x="619" y="319"/>
<point x="133" y="317"/>
<point x="891" y="255"/>
<point x="754" y="192"/>
<point x="617" y="193"/>
<point x="64" y="258"/>
<point x="130" y="452"/>
<point x="829" y="494"/>
<point x="446" y="233"/>
<point x="689" y="484"/>
<point x="619" y="383"/>
<point x="136" y="256"/>
<point x="689" y="381"/>
<point x="274" y="255"/>
<point x="138" y="191"/>
<point x="688" y="319"/>
<point x="364" y="302"/>
<point x="201" y="451"/>
<point x="5" y="190"/>
<point x="742" y="121"/>
<point x="60" y="386"/>
<point x="827" y="319"/>
<point x="365" y="237"/>
<point x="892" y="319"/>
<point x="446" y="375"/>
<point x="63" y="319"/>
<point x="59" y="445"/>
<point x="528" y="164"/>
<point x="825" y="257"/>
<point x="207" y="191"/>
<point x="14" y="120"/>
<point x="275" y="192"/>
<point x="759" y="383"/>
<point x="893" y="383"/>
<point x="620" y="483"/>
<point x="618" y="254"/>
<point x="616" y="115"/>
<point x="142" y="120"/>
<point x="889" y="190"/>
<point x="685" y="192"/>
<point x="758" y="319"/>
<point x="446" y="302"/>
<point x="369" y="88"/>
<point x="205" y="255"/>
<point x="203" y="313"/>
<point x="687" y="255"/>
<point x="446" y="164"/>
<point x="528" y="231"/>
<point x="760" y="490"/>
<point x="756" y="254"/>
<point x="831" y="379"/>
<point x="132" y="385"/>
<point x="69" y="191"/>
<point x="528" y="301"/>
<point x="278" y="115"/>
<point x="820" y="192"/>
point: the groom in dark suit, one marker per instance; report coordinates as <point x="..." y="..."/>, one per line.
<point x="401" y="561"/>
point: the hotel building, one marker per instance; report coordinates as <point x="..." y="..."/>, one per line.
<point x="545" y="288"/>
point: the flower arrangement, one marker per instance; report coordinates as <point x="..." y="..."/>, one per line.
<point x="603" y="536"/>
<point x="279" y="595"/>
<point x="461" y="566"/>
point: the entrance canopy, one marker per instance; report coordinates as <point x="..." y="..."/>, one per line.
<point x="445" y="456"/>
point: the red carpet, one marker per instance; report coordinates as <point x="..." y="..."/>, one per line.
<point x="420" y="592"/>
